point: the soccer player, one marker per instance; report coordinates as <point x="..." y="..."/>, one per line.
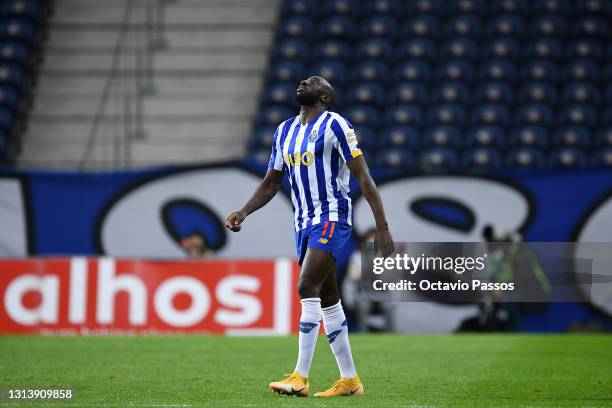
<point x="317" y="149"/>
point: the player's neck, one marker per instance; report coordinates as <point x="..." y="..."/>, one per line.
<point x="307" y="113"/>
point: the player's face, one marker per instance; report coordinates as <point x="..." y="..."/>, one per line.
<point x="310" y="91"/>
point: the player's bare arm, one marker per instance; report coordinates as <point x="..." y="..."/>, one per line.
<point x="359" y="169"/>
<point x="265" y="192"/>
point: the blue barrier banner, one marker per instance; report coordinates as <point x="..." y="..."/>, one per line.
<point x="147" y="213"/>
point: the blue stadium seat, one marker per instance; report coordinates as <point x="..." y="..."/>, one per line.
<point x="402" y="136"/>
<point x="291" y="49"/>
<point x="391" y="7"/>
<point x="568" y="158"/>
<point x="289" y="71"/>
<point x="544" y="47"/>
<point x="416" y="48"/>
<point x="581" y="92"/>
<point x="366" y="93"/>
<point x="17" y="29"/>
<point x="12" y="74"/>
<point x="29" y="9"/>
<point x="396" y="158"/>
<point x="451" y="92"/>
<point x="421" y="26"/>
<point x="442" y="136"/>
<point x="600" y="7"/>
<point x="465" y="6"/>
<point x="578" y="115"/>
<point x="536" y="114"/>
<point x="573" y="136"/>
<point x="584" y="48"/>
<point x="548" y="25"/>
<point x="333" y="49"/>
<point x="15" y="52"/>
<point x="459" y="48"/>
<point x="501" y="47"/>
<point x="491" y="114"/>
<point x="481" y="160"/>
<point x="604" y="137"/>
<point x="403" y="114"/>
<point x="260" y="156"/>
<point x="273" y="115"/>
<point x="526" y="158"/>
<point x="552" y="7"/>
<point x="263" y="137"/>
<point x="538" y="92"/>
<point x="540" y="70"/>
<point x="333" y="71"/>
<point x="338" y="27"/>
<point x="506" y="25"/>
<point x="379" y="26"/>
<point x="304" y="8"/>
<point x="463" y="25"/>
<point x="296" y="27"/>
<point x="370" y="71"/>
<point x="362" y="115"/>
<point x="9" y="98"/>
<point x="374" y="48"/>
<point x="591" y="26"/>
<point x="438" y="160"/>
<point x="367" y="138"/>
<point x="423" y="7"/>
<point x="498" y="70"/>
<point x="282" y="93"/>
<point x="447" y="114"/>
<point x="603" y="158"/>
<point x="534" y="136"/>
<point x="412" y="92"/>
<point x="455" y="70"/>
<point x="412" y="71"/>
<point x="581" y="70"/>
<point x="491" y="136"/>
<point x="348" y="8"/>
<point x="494" y="92"/>
<point x="508" y="6"/>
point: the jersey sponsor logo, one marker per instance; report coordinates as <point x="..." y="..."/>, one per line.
<point x="298" y="159"/>
<point x="323" y="240"/>
<point x="351" y="136"/>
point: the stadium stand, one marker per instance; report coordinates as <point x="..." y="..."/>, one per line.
<point x="23" y="30"/>
<point x="468" y="85"/>
<point x="184" y="88"/>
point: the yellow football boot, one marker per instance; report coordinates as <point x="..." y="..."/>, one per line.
<point x="344" y="387"/>
<point x="295" y="384"/>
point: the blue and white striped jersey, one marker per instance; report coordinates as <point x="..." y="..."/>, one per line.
<point x="315" y="156"/>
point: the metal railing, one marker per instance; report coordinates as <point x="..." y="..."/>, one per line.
<point x="119" y="117"/>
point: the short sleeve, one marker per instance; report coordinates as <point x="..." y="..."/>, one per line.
<point x="347" y="140"/>
<point x="276" y="157"/>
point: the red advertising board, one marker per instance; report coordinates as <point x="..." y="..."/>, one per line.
<point x="106" y="295"/>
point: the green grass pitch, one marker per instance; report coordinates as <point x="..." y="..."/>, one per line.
<point x="397" y="370"/>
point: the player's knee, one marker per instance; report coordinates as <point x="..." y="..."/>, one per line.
<point x="328" y="300"/>
<point x="306" y="289"/>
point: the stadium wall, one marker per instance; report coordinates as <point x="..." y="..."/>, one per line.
<point x="144" y="214"/>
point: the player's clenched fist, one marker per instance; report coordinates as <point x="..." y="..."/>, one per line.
<point x="234" y="220"/>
